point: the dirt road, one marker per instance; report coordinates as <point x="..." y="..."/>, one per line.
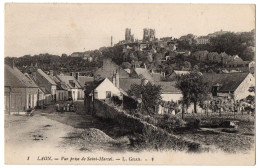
<point x="48" y="131"/>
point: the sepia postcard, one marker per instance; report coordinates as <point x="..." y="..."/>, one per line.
<point x="129" y="84"/>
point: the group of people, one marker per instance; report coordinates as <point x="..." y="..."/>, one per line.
<point x="68" y="107"/>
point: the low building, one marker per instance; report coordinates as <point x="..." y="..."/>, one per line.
<point x="169" y="94"/>
<point x="202" y="40"/>
<point x="108" y="68"/>
<point x="231" y="85"/>
<point x="21" y="93"/>
<point x="105" y="89"/>
<point x="61" y="89"/>
<point x="44" y="81"/>
<point x="73" y="87"/>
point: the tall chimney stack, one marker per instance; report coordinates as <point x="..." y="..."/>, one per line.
<point x="111" y="41"/>
<point x="13" y="64"/>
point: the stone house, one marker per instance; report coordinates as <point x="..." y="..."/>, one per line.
<point x="231" y="85"/>
<point x="44" y="81"/>
<point x="21" y="93"/>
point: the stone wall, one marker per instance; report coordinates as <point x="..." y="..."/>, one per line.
<point x="105" y="111"/>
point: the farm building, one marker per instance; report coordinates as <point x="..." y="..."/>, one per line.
<point x="21" y="93"/>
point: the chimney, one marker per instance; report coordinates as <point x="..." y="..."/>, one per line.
<point x="77" y="75"/>
<point x="117" y="79"/>
<point x="111" y="41"/>
<point x="114" y="78"/>
<point x="13" y="64"/>
<point x="34" y="75"/>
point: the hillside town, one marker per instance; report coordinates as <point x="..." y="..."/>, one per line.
<point x="171" y="84"/>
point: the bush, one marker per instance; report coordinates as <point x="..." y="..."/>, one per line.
<point x="169" y="122"/>
<point x="194" y="123"/>
<point x="232" y="130"/>
<point x="151" y="120"/>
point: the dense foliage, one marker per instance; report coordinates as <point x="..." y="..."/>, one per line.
<point x="149" y="94"/>
<point x="194" y="89"/>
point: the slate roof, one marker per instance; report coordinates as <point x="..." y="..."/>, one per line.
<point x="228" y="81"/>
<point x="11" y="80"/>
<point x="144" y="74"/>
<point x="83" y="79"/>
<point x="44" y="90"/>
<point x="15" y="78"/>
<point x="66" y="79"/>
<point x="125" y="83"/>
<point x="51" y="81"/>
<point x="92" y="85"/>
<point x="168" y="87"/>
<point x="157" y="77"/>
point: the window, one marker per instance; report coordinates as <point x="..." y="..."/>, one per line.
<point x="108" y="94"/>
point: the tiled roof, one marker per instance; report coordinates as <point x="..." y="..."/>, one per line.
<point x="83" y="79"/>
<point x="67" y="79"/>
<point x="168" y="87"/>
<point x="51" y="81"/>
<point x="44" y="90"/>
<point x="11" y="80"/>
<point x="228" y="81"/>
<point x="157" y="76"/>
<point x="125" y="83"/>
<point x="92" y="85"/>
<point x="144" y="74"/>
<point x="15" y="78"/>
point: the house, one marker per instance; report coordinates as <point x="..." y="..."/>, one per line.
<point x="21" y="93"/>
<point x="105" y="89"/>
<point x="84" y="79"/>
<point x="73" y="87"/>
<point x="231" y="85"/>
<point x="61" y="89"/>
<point x="44" y="97"/>
<point x="143" y="73"/>
<point x="108" y="68"/>
<point x="202" y="40"/>
<point x="44" y="81"/>
<point x="125" y="83"/>
<point x="169" y="94"/>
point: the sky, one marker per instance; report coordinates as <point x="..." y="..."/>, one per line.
<point x="66" y="28"/>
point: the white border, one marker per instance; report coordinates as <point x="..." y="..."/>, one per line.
<point x="108" y="1"/>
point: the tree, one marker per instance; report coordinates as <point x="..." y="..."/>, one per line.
<point x="196" y="68"/>
<point x="193" y="87"/>
<point x="233" y="44"/>
<point x="150" y="95"/>
<point x="187" y="65"/>
<point x="201" y="55"/>
<point x="126" y="65"/>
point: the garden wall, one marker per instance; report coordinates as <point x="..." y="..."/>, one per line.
<point x="106" y="111"/>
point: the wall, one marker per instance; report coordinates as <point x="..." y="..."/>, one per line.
<point x="108" y="68"/>
<point x="242" y="91"/>
<point x="105" y="86"/>
<point x="171" y="97"/>
<point x="42" y="82"/>
<point x="136" y="125"/>
<point x="61" y="95"/>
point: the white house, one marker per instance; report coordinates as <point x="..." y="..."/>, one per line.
<point x="73" y="87"/>
<point x="106" y="89"/>
<point x="233" y="85"/>
<point x="169" y="94"/>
